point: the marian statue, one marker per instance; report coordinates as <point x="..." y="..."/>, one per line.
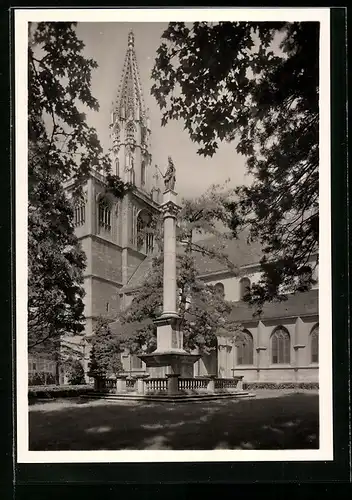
<point x="170" y="175"/>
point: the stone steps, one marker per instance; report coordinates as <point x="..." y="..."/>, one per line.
<point x="168" y="398"/>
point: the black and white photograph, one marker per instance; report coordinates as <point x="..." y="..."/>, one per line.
<point x="173" y="267"/>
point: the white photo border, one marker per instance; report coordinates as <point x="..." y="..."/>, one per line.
<point x="22" y="17"/>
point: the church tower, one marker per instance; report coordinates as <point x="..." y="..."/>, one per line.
<point x="132" y="162"/>
<point x="130" y="126"/>
<point x="113" y="232"/>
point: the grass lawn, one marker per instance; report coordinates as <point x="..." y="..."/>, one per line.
<point x="274" y="420"/>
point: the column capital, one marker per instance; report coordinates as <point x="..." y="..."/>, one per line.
<point x="170" y="209"/>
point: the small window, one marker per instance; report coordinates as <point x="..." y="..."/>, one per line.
<point x="117" y="167"/>
<point x="79" y="213"/>
<point x="245" y="286"/>
<point x="130" y="133"/>
<point x="105" y="214"/>
<point x="143" y="173"/>
<point x="244" y="344"/>
<point x="280" y="346"/>
<point x="107" y="307"/>
<point x="314" y="345"/>
<point x="219" y="289"/>
<point x="145" y="236"/>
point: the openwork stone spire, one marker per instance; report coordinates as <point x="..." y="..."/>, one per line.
<point x="129" y="104"/>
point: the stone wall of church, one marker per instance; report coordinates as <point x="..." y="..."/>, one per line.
<point x="232" y="286"/>
<point x="299" y="367"/>
<point x="106" y="260"/>
<point x="134" y="259"/>
<point x="105" y="298"/>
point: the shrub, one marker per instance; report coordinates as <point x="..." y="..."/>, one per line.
<point x="41" y="378"/>
<point x="280" y="385"/>
<point x="58" y="391"/>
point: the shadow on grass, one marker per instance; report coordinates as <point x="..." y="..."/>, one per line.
<point x="286" y="422"/>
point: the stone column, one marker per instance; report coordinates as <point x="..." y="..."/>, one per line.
<point x="170" y="210"/>
<point x="211" y="384"/>
<point x="172" y="383"/>
<point x="141" y="383"/>
<point x="239" y="385"/>
<point x="121" y="383"/>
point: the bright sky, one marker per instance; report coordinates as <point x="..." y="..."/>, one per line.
<point x="106" y="43"/>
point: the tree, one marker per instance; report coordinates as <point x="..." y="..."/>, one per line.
<point x="61" y="146"/>
<point x="59" y="79"/>
<point x="255" y="83"/>
<point x="200" y="305"/>
<point x="55" y="267"/>
<point x="75" y="372"/>
<point x="105" y="357"/>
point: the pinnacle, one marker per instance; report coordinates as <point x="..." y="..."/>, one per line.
<point x="129" y="95"/>
<point x="130" y="39"/>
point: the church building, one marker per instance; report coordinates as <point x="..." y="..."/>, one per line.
<point x="280" y="345"/>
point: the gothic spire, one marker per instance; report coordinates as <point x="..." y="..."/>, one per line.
<point x="129" y="104"/>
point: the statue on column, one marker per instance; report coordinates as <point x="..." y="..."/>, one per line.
<point x="170" y="175"/>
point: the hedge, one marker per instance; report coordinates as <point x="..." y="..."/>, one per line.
<point x="280" y="385"/>
<point x="58" y="391"/>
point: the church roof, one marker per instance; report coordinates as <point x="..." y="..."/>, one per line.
<point x="128" y="330"/>
<point x="299" y="304"/>
<point x="239" y="252"/>
<point x="138" y="277"/>
<point x="129" y="103"/>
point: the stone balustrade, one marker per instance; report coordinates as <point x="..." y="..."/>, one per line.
<point x="223" y="384"/>
<point x="172" y="384"/>
<point x="156" y="385"/>
<point x="193" y="384"/>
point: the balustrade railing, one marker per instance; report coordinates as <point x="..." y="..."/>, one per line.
<point x="226" y="383"/>
<point x="192" y="384"/>
<point x="156" y="384"/>
<point x="160" y="385"/>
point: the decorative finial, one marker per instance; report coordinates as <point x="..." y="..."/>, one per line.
<point x="130" y="40"/>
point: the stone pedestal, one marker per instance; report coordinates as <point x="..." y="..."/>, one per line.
<point x="121" y="384"/>
<point x="239" y="386"/>
<point x="172" y="384"/>
<point x="211" y="384"/>
<point x="141" y="384"/>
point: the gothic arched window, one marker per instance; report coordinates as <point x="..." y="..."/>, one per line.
<point x="219" y="289"/>
<point x="104" y="211"/>
<point x="133" y="174"/>
<point x="145" y="237"/>
<point x="143" y="173"/>
<point x="79" y="212"/>
<point x="117" y="167"/>
<point x="280" y="346"/>
<point x="130" y="133"/>
<point x="314" y="344"/>
<point x="244" y="344"/>
<point x="245" y="286"/>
